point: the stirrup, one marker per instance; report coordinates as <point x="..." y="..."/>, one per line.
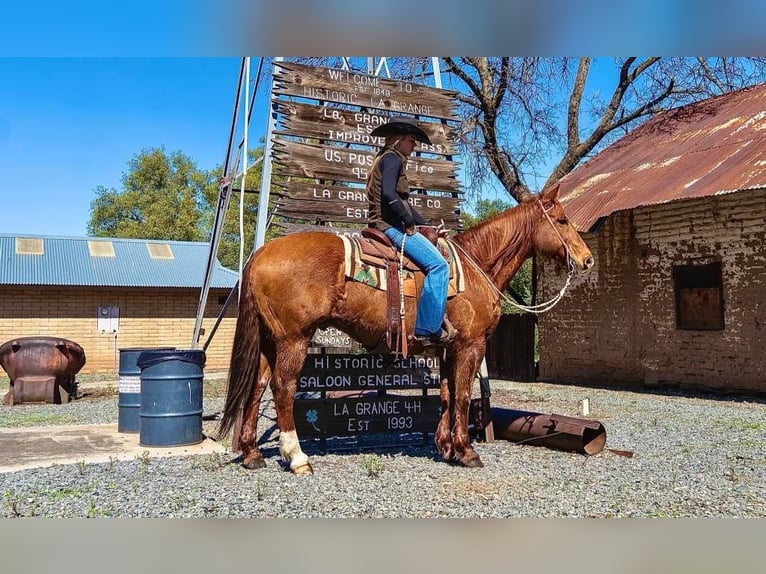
<point x="445" y="335"/>
<point x="451" y="331"/>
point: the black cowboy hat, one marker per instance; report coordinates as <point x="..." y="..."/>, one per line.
<point x="401" y="126"/>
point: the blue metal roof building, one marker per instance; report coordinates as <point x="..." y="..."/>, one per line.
<point x="107" y="262"/>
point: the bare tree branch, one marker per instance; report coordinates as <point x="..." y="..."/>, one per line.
<point x="531" y="120"/>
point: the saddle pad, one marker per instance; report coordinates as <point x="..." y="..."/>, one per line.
<point x="372" y="270"/>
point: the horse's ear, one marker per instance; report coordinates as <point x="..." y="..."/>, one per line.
<point x="551" y="193"/>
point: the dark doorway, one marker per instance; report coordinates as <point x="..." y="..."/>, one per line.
<point x="511" y="349"/>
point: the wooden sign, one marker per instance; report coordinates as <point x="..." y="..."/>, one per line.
<point x="366" y="372"/>
<point x="356" y="197"/>
<point x="362" y="90"/>
<point x="331" y="337"/>
<point x="328" y="123"/>
<point x="289" y="228"/>
<point x="337" y="212"/>
<point x="322" y="418"/>
<point x="345" y="164"/>
<point x="311" y="191"/>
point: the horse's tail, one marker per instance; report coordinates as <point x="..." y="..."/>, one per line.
<point x="245" y="358"/>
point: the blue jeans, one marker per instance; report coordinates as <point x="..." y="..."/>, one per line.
<point x="433" y="299"/>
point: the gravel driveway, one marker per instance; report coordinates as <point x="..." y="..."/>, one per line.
<point x="694" y="456"/>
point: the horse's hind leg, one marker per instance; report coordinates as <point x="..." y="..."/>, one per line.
<point x="443" y="435"/>
<point x="290" y="358"/>
<point x="252" y="456"/>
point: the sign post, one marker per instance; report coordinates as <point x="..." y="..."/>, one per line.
<point x="322" y="152"/>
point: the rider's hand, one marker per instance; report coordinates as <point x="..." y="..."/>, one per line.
<point x="411" y="230"/>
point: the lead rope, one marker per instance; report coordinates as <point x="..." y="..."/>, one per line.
<point x="540" y="307"/>
<point x="536" y="309"/>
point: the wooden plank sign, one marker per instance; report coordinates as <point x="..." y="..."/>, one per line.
<point x="350" y="126"/>
<point x="326" y="162"/>
<point x="322" y="418"/>
<point x="353" y="197"/>
<point x="289" y="228"/>
<point x="362" y="90"/>
<point x="331" y="337"/>
<point x="356" y="212"/>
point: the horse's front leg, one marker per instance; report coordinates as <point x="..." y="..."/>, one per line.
<point x="467" y="363"/>
<point x="290" y="358"/>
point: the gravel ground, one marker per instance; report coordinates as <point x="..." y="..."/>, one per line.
<point x="694" y="456"/>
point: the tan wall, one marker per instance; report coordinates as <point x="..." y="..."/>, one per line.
<point x="148" y="318"/>
<point x="617" y="325"/>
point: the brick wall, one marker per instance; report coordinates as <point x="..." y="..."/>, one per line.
<point x="616" y="326"/>
<point x="148" y="318"/>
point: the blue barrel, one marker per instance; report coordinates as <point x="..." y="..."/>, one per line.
<point x="171" y="397"/>
<point x="129" y="389"/>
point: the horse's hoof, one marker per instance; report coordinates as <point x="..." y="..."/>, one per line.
<point x="446" y="454"/>
<point x="302" y="469"/>
<point x="254" y="464"/>
<point x="472" y="462"/>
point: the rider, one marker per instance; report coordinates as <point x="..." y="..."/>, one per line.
<point x="389" y="211"/>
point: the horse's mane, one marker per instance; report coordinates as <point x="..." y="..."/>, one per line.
<point x="495" y="242"/>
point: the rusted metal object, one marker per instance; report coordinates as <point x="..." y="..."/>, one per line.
<point x="550" y="430"/>
<point x="41" y="369"/>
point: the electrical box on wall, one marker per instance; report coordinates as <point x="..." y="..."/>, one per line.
<point x="108" y="319"/>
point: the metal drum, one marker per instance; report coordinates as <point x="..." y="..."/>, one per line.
<point x="41" y="369"/>
<point x="171" y="397"/>
<point x="129" y="388"/>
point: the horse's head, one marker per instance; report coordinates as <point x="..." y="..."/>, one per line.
<point x="556" y="237"/>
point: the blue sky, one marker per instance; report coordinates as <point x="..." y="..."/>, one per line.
<point x="68" y="125"/>
<point x="72" y="115"/>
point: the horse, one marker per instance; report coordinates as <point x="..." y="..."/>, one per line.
<point x="295" y="284"/>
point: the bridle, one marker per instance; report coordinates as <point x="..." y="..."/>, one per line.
<point x="540" y="307"/>
<point x="567" y="254"/>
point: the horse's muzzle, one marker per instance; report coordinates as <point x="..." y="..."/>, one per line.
<point x="584" y="267"/>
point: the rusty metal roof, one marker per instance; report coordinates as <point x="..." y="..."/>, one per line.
<point x="711" y="147"/>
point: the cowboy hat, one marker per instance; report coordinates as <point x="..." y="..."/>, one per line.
<point x="401" y="126"/>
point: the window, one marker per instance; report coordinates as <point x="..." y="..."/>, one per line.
<point x="159" y="251"/>
<point x="699" y="296"/>
<point x="101" y="249"/>
<point x="29" y="246"/>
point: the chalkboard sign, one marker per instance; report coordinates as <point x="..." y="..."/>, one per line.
<point x="365" y="372"/>
<point x="323" y="418"/>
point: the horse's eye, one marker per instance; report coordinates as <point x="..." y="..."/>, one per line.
<point x="563" y="220"/>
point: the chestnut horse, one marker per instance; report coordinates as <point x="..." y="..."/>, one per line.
<point x="296" y="283"/>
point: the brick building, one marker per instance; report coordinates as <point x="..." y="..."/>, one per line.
<point x="54" y="286"/>
<point x="674" y="215"/>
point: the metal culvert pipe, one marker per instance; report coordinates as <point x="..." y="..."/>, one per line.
<point x="550" y="430"/>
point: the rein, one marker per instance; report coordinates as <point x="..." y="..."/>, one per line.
<point x="540" y="307"/>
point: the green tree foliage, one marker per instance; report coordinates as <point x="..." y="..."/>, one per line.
<point x="165" y="196"/>
<point x="521" y="285"/>
<point x="160" y="199"/>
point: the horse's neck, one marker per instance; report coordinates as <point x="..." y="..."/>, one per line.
<point x="501" y="244"/>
